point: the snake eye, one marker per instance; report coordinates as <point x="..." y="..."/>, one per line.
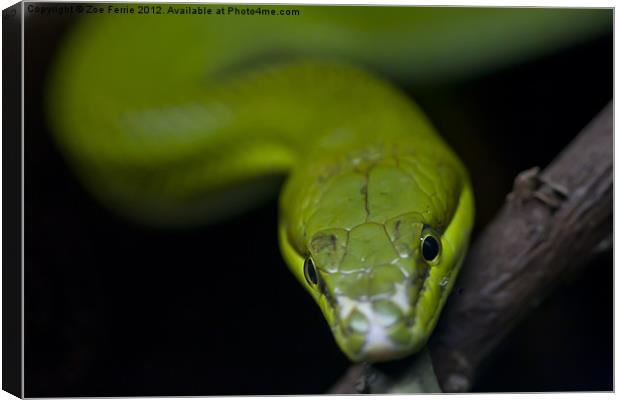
<point x="310" y="272"/>
<point x="430" y="247"/>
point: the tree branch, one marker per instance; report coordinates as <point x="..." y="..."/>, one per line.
<point x="551" y="226"/>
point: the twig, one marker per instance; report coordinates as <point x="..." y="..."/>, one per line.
<point x="552" y="225"/>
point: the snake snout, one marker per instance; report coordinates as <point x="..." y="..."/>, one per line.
<point x="372" y="330"/>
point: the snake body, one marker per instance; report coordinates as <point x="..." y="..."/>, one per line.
<point x="176" y="120"/>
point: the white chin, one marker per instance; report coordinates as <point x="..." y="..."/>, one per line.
<point x="378" y="346"/>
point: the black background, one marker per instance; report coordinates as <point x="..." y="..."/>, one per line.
<point x="117" y="309"/>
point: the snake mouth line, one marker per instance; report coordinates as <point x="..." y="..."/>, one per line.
<point x="376" y="328"/>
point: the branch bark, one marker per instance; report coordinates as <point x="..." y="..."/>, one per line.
<point x="552" y="225"/>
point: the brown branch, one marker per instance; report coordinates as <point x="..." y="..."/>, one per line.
<point x="552" y="225"/>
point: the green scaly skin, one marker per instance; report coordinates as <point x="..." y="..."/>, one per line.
<point x="176" y="120"/>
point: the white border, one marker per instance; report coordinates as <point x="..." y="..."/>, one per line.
<point x="512" y="3"/>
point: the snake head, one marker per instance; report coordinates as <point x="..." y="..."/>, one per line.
<point x="379" y="253"/>
<point x="369" y="281"/>
<point x="381" y="286"/>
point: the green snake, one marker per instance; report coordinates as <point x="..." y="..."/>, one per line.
<point x="176" y="119"/>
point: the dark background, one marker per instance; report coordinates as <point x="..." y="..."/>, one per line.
<point x="115" y="309"/>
